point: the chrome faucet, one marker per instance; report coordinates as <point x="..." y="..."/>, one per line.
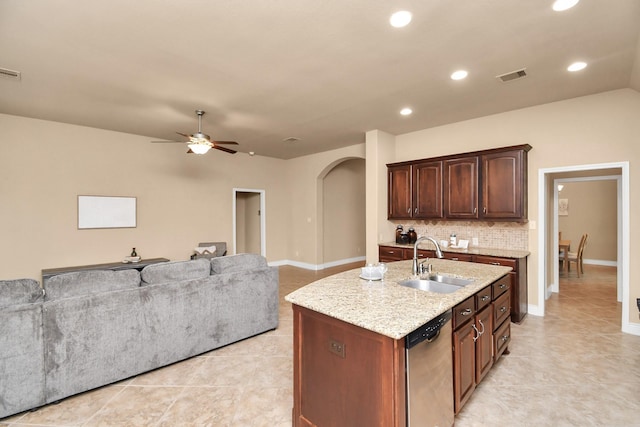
<point x="414" y="268"/>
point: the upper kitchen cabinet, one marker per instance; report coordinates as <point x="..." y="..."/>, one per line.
<point x="400" y="192"/>
<point x="415" y="190"/>
<point x="461" y="188"/>
<point x="427" y="189"/>
<point x="483" y="185"/>
<point x="504" y="183"/>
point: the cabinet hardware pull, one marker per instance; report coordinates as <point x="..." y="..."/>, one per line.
<point x="455" y="259"/>
<point x="475" y="210"/>
<point x="503" y="309"/>
<point x="415" y="210"/>
<point x="505" y="338"/>
<point x="475" y="337"/>
<point x="486" y="297"/>
<point x="484" y="210"/>
<point x="481" y="324"/>
<point x="502" y="286"/>
<point x="466" y="312"/>
<point x="391" y="252"/>
<point x="495" y="263"/>
<point x="409" y="210"/>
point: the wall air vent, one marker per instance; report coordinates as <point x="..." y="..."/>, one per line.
<point x="513" y="75"/>
<point x="9" y="74"/>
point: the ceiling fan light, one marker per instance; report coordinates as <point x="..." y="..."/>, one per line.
<point x="199" y="148"/>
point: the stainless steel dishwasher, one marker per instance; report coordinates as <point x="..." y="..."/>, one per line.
<point x="430" y="374"/>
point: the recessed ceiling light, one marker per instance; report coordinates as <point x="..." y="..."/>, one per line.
<point x="560" y="5"/>
<point x="400" y="19"/>
<point x="459" y="75"/>
<point x="577" y="66"/>
<point x="406" y="111"/>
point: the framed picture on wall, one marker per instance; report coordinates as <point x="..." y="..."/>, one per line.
<point x="106" y="212"/>
<point x="563" y="207"/>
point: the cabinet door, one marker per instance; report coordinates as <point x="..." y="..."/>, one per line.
<point x="502" y="185"/>
<point x="484" y="343"/>
<point x="464" y="364"/>
<point x="427" y="190"/>
<point x="461" y="188"/>
<point x="399" y="181"/>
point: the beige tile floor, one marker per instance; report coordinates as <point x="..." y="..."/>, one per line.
<point x="571" y="368"/>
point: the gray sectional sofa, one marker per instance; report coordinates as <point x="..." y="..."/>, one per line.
<point x="92" y="328"/>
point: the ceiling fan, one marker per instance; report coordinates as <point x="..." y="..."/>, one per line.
<point x="200" y="143"/>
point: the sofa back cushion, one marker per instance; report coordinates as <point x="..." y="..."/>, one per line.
<point x="19" y="291"/>
<point x="235" y="263"/>
<point x="89" y="282"/>
<point x="175" y="271"/>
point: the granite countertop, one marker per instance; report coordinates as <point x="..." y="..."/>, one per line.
<point x="502" y="253"/>
<point x="385" y="307"/>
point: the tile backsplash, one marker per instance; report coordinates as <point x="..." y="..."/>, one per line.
<point x="500" y="235"/>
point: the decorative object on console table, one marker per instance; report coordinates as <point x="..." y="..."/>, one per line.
<point x="49" y="272"/>
<point x="210" y="250"/>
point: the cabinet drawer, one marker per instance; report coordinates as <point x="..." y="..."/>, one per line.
<point x="501" y="339"/>
<point x="390" y="253"/>
<point x="506" y="262"/>
<point x="463" y="312"/>
<point x="501" y="286"/>
<point x="457" y="257"/>
<point x="423" y="253"/>
<point x="501" y="308"/>
<point x="483" y="298"/>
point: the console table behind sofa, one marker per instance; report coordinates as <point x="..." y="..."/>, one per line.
<point x="49" y="272"/>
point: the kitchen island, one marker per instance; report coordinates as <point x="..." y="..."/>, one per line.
<point x="349" y="347"/>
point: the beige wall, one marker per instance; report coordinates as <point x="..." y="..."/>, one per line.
<point x="594" y="129"/>
<point x="181" y="199"/>
<point x="304" y="187"/>
<point x="344" y="211"/>
<point x="592" y="210"/>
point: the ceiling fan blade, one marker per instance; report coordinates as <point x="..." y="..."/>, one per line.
<point x="190" y="151"/>
<point x="184" y="134"/>
<point x="178" y="142"/>
<point x="225" y="149"/>
<point x="225" y="142"/>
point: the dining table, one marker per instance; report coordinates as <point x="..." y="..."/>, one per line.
<point x="564" y="246"/>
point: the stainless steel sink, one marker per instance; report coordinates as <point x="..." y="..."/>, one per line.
<point x="450" y="280"/>
<point x="437" y="283"/>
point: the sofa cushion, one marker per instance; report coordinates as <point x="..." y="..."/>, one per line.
<point x="239" y="262"/>
<point x="89" y="282"/>
<point x="19" y="291"/>
<point x="175" y="271"/>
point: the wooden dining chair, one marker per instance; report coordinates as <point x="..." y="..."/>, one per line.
<point x="577" y="256"/>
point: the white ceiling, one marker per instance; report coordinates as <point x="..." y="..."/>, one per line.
<point x="324" y="71"/>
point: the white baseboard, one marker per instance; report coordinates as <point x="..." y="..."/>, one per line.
<point x="316" y="267"/>
<point x="631" y="328"/>
<point x="534" y="310"/>
<point x="600" y="262"/>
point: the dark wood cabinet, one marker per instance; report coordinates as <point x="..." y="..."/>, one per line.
<point x="476" y="345"/>
<point x="461" y="188"/>
<point x="335" y="366"/>
<point x="427" y="189"/>
<point x="518" y="283"/>
<point x="482" y="185"/>
<point x="399" y="192"/>
<point x="503" y="178"/>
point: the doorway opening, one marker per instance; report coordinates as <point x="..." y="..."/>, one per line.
<point x="249" y="221"/>
<point x="548" y="231"/>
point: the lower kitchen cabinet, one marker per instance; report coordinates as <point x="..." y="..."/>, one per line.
<point x="345" y="375"/>
<point x="477" y="339"/>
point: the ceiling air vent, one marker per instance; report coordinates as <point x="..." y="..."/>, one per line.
<point x="9" y="74"/>
<point x="513" y="75"/>
<point x="291" y="139"/>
